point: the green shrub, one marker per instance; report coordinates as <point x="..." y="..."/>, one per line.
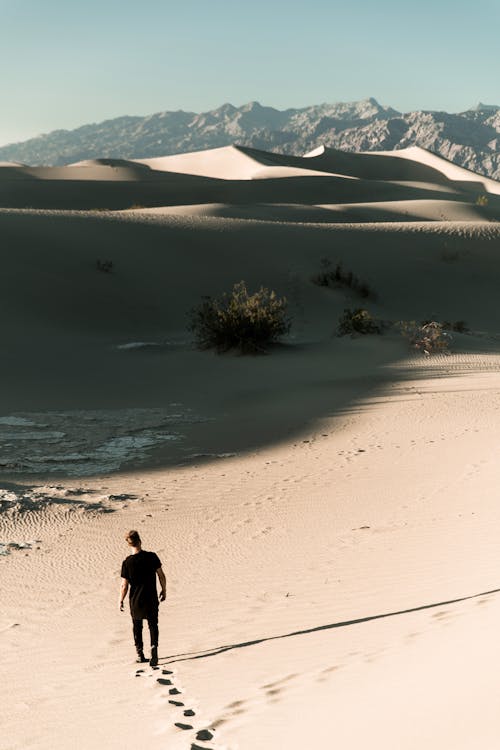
<point x="239" y="320"/>
<point x="357" y="321"/>
<point x="337" y="277"/>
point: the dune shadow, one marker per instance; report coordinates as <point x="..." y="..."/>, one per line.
<point x="68" y="188"/>
<point x="237" y="404"/>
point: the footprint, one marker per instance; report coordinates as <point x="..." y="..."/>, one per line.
<point x="174" y="691"/>
<point x="189" y="712"/>
<point x="204" y="735"/>
<point x="440" y="615"/>
<point x="176" y="703"/>
<point x="273" y="692"/>
<point x="180" y="725"/>
<point x="163" y="681"/>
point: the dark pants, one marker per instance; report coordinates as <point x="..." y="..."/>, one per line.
<point x="153" y="631"/>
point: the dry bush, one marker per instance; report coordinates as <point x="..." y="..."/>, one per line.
<point x="358" y="321"/>
<point x="427" y="337"/>
<point x="450" y="256"/>
<point x="459" y="326"/>
<point x="106" y="266"/>
<point x="239" y="320"/>
<point x="337" y="277"/>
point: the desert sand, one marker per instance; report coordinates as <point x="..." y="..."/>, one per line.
<point x="326" y="515"/>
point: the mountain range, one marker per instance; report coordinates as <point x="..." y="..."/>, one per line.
<point x="470" y="139"/>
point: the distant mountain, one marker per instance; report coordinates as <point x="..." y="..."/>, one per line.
<point x="470" y="139"/>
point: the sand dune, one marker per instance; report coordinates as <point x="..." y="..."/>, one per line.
<point x="242" y="176"/>
<point x="228" y="162"/>
<point x="114" y="163"/>
<point x="388" y="211"/>
<point x="448" y="168"/>
<point x="326" y="515"/>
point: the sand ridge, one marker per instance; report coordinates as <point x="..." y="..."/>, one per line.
<point x="236" y="175"/>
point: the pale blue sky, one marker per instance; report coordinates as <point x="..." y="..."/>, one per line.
<point x="65" y="63"/>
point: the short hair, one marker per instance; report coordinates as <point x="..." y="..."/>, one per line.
<point x="133" y="538"/>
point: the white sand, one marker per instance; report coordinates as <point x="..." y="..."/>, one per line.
<point x="326" y="515"/>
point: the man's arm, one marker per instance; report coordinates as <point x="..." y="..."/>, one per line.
<point x="123" y="592"/>
<point x="163" y="584"/>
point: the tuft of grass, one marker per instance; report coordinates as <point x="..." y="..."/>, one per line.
<point x="246" y="322"/>
<point x="450" y="256"/>
<point x="332" y="277"/>
<point x="106" y="266"/>
<point x="358" y="321"/>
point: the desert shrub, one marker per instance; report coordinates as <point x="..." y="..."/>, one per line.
<point x="482" y="200"/>
<point x="239" y="320"/>
<point x="106" y="266"/>
<point x="337" y="277"/>
<point x="357" y="321"/>
<point x="450" y="256"/>
<point x="427" y="337"/>
<point x="459" y="326"/>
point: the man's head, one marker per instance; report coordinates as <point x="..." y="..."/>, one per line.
<point x="133" y="539"/>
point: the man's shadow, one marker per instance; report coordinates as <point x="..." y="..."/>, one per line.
<point x="343" y="624"/>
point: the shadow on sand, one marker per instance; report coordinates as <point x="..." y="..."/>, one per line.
<point x="343" y="624"/>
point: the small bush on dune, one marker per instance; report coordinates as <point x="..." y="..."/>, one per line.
<point x="106" y="266"/>
<point x="239" y="320"/>
<point x="337" y="277"/>
<point x="459" y="326"/>
<point x="429" y="337"/>
<point x="357" y="321"/>
<point x="450" y="256"/>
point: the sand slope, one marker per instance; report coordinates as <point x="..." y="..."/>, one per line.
<point x="241" y="176"/>
<point x="327" y="515"/>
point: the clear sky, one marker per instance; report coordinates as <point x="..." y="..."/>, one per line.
<point x="65" y="63"/>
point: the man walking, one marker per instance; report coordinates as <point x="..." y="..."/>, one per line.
<point x="139" y="570"/>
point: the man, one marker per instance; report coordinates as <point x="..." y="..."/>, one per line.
<point x="139" y="570"/>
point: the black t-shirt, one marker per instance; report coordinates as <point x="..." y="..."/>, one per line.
<point x="140" y="571"/>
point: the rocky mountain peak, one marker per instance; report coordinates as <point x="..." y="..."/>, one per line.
<point x="470" y="139"/>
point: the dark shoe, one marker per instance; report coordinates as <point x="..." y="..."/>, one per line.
<point x="141" y="659"/>
<point x="154" y="657"/>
